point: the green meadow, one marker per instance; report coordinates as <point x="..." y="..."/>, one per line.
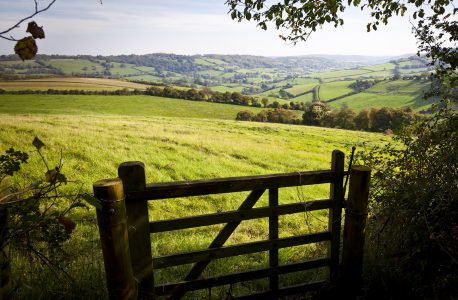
<point x="177" y="140"/>
<point x="399" y="93"/>
<point x="334" y="89"/>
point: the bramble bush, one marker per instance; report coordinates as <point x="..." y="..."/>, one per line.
<point x="412" y="241"/>
<point x="34" y="218"/>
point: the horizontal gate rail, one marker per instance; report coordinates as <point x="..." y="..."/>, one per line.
<point x="167" y="190"/>
<point x="237" y="215"/>
<point x="130" y="265"/>
<point x="234" y="250"/>
<point x="203" y="283"/>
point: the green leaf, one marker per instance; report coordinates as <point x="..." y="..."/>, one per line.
<point x="37" y="143"/>
<point x="78" y="204"/>
<point x="92" y="200"/>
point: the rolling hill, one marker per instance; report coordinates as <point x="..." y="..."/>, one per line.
<point x="282" y="79"/>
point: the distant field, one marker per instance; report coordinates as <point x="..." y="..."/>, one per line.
<point x="227" y="88"/>
<point x="304" y="98"/>
<point x="303" y="86"/>
<point x="335" y="89"/>
<point x="381" y="67"/>
<point x="123" y="70"/>
<point x="400" y="93"/>
<point x="340" y="73"/>
<point x="75" y="66"/>
<point x="122" y="105"/>
<point x="150" y="78"/>
<point x="70" y="83"/>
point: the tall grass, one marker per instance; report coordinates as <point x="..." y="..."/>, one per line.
<point x="173" y="148"/>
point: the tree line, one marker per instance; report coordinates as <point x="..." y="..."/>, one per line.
<point x="385" y="119"/>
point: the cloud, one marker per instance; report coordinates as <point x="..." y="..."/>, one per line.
<point x="187" y="27"/>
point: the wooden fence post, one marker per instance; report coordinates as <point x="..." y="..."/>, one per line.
<point x="335" y="214"/>
<point x="354" y="230"/>
<point x="133" y="178"/>
<point x="114" y="238"/>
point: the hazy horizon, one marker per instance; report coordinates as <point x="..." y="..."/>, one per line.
<point x="233" y="54"/>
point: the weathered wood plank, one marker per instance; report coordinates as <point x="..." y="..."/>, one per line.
<point x="354" y="231"/>
<point x="203" y="283"/>
<point x="273" y="235"/>
<point x="220" y="239"/>
<point x="132" y="175"/>
<point x="228" y="251"/>
<point x="335" y="213"/>
<point x="112" y="224"/>
<point x="230" y="185"/>
<point x="237" y="215"/>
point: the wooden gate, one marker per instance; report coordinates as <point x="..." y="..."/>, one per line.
<point x="125" y="230"/>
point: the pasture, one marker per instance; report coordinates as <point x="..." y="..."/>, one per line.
<point x="70" y="83"/>
<point x="334" y="89"/>
<point x="399" y="93"/>
<point x="177" y="140"/>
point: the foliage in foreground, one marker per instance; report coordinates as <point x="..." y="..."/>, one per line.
<point x="33" y="217"/>
<point x="413" y="228"/>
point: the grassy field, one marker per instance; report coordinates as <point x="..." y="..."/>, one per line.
<point x="335" y="89"/>
<point x="303" y="87"/>
<point x="70" y="83"/>
<point x="122" y="105"/>
<point x="399" y="93"/>
<point x="80" y="66"/>
<point x="175" y="142"/>
<point x="340" y="73"/>
<point x="381" y="67"/>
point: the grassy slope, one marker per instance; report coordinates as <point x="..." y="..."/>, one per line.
<point x="303" y="87"/>
<point x="340" y="73"/>
<point x="397" y="93"/>
<point x="123" y="105"/>
<point x="334" y="89"/>
<point x="71" y="65"/>
<point x="173" y="147"/>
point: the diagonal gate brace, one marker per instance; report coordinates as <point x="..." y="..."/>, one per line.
<point x="218" y="242"/>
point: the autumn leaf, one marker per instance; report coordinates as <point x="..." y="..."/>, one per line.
<point x="26" y="48"/>
<point x="36" y="31"/>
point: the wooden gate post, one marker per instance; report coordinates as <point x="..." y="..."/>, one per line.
<point x="133" y="178"/>
<point x="354" y="230"/>
<point x="114" y="238"/>
<point x="335" y="214"/>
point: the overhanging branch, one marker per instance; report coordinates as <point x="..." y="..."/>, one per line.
<point x="37" y="11"/>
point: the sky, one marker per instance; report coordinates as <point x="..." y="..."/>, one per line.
<point x="188" y="27"/>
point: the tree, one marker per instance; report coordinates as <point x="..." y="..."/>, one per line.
<point x="302" y="17"/>
<point x="315" y="112"/>
<point x="362" y="120"/>
<point x="244" y="115"/>
<point x="265" y="101"/>
<point x="345" y="118"/>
